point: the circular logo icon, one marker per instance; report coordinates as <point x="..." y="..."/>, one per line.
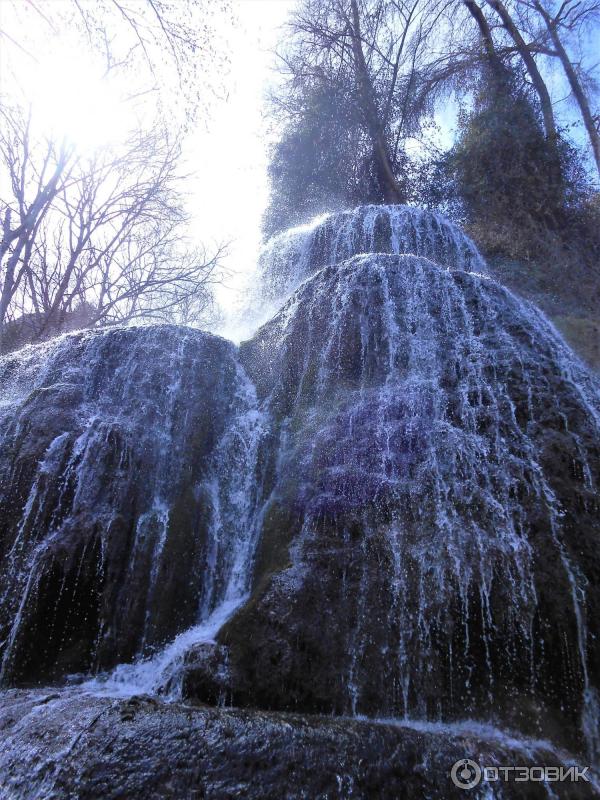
<point x="465" y="773"/>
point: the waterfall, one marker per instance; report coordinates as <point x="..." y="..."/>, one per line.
<point x="428" y="406"/>
<point x="127" y="477"/>
<point x="384" y="504"/>
<point x="290" y="257"/>
<point x="233" y="485"/>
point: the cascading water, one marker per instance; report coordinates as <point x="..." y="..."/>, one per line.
<point x="233" y="486"/>
<point x="430" y="455"/>
<point x="127" y="456"/>
<point x="290" y="257"/>
<point x="399" y="471"/>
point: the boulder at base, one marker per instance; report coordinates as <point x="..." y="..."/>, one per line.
<point x="67" y="745"/>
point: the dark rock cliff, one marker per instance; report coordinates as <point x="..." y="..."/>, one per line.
<point x="384" y="504"/>
<point x="107" y="440"/>
<point x="430" y="539"/>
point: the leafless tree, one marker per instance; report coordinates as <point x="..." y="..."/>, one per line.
<point x="561" y="21"/>
<point x="167" y="47"/>
<point x="33" y="183"/>
<point x="540" y="29"/>
<point x="106" y="232"/>
<point x="375" y="49"/>
<point x="513" y="31"/>
<point x="530" y="63"/>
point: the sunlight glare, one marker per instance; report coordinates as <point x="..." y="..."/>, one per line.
<point x="72" y="97"/>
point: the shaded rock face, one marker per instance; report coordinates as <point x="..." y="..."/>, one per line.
<point x="393" y="487"/>
<point x="294" y="255"/>
<point x="66" y="745"/>
<point x="430" y="540"/>
<point x="110" y="476"/>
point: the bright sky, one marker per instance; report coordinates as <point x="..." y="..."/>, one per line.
<point x="225" y="153"/>
<point x="230" y="190"/>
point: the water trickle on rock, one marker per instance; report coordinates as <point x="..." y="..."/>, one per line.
<point x="127" y="457"/>
<point x="443" y="471"/>
<point x="290" y="257"/>
<point x="232" y="487"/>
<point x="399" y="472"/>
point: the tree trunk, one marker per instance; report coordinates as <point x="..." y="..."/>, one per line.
<point x="494" y="61"/>
<point x="574" y="83"/>
<point x="529" y="61"/>
<point x="484" y="28"/>
<point x="392" y="192"/>
<point x="8" y="287"/>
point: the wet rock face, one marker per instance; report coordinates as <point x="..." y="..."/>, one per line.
<point x="105" y="455"/>
<point x="430" y="543"/>
<point x="393" y="487"/>
<point x="67" y="745"/>
<point x="292" y="256"/>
